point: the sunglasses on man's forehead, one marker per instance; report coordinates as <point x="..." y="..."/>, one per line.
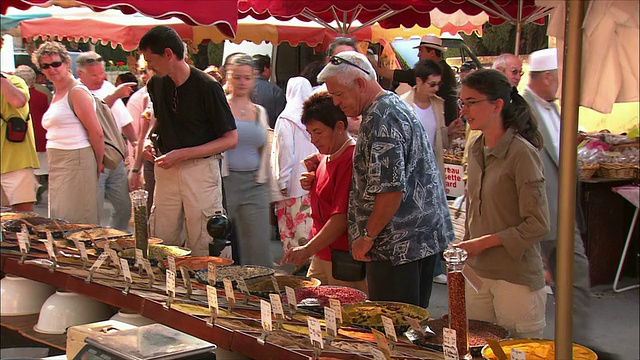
<point x="55" y="64"/>
<point x="335" y="60"/>
<point x="91" y="61"/>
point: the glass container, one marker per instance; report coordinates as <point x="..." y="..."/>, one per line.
<point x="456" y="258"/>
<point x="141" y="220"/>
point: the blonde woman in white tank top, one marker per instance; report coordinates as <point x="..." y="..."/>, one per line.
<point x="75" y="144"/>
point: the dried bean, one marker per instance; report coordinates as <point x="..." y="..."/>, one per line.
<point x="458" y="311"/>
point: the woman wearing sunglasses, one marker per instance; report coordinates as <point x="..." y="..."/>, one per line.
<point x="75" y="142"/>
<point x="429" y="108"/>
<point x="507" y="211"/>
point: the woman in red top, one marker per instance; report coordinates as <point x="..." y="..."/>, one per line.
<point x="328" y="188"/>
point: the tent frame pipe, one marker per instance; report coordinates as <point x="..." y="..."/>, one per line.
<point x="567" y="196"/>
<point x="516" y="51"/>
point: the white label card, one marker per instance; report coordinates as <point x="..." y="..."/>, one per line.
<point x="23" y="240"/>
<point x="389" y="329"/>
<point x="449" y="344"/>
<point x="139" y="257"/>
<point x="377" y="354"/>
<point x="330" y="320"/>
<point x="335" y="305"/>
<point x="228" y="289"/>
<point x="415" y="325"/>
<point x="83" y="251"/>
<point x="148" y="269"/>
<point x="315" y="332"/>
<point x="113" y="255"/>
<point x="172" y="263"/>
<point x="242" y="286"/>
<point x="212" y="298"/>
<point x="101" y="259"/>
<point x="211" y="273"/>
<point x="518" y="354"/>
<point x="125" y="270"/>
<point x="381" y="341"/>
<point x="50" y="245"/>
<point x="276" y="305"/>
<point x="265" y="315"/>
<point x="291" y="297"/>
<point x="171" y="283"/>
<point x="473" y="278"/>
<point x="276" y="287"/>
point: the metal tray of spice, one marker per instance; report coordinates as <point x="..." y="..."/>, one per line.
<point x="233" y="272"/>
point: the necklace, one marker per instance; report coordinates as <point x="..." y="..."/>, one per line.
<point x="330" y="157"/>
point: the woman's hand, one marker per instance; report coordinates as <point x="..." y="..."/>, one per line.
<point x="297" y="255"/>
<point x="307" y="179"/>
<point x="456" y="127"/>
<point x="475" y="246"/>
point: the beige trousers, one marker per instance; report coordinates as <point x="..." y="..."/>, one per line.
<point x="186" y="195"/>
<point x="73" y="185"/>
<point x="321" y="270"/>
<point x="516" y="307"/>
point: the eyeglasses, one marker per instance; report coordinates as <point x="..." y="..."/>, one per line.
<point x="91" y="61"/>
<point x="463" y="104"/>
<point x="174" y="103"/>
<point x="335" y="60"/>
<point x="55" y="64"/>
<point x="517" y="72"/>
<point x="434" y="84"/>
<point x="143" y="71"/>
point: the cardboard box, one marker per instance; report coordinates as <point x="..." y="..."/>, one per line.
<point x="77" y="334"/>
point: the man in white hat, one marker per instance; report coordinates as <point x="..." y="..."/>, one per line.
<point x="540" y="94"/>
<point x="430" y="48"/>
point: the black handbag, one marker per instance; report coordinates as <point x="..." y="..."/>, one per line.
<point x="16" y="129"/>
<point x="345" y="268"/>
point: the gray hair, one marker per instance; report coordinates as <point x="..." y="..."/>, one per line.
<point x="27" y="74"/>
<point x="346" y="73"/>
<point x="88" y="58"/>
<point x="500" y="63"/>
<point x="346" y="41"/>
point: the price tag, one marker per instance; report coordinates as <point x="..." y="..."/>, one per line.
<point x="291" y="298"/>
<point x="449" y="344"/>
<point x="315" y="332"/>
<point x="330" y="320"/>
<point x="265" y="315"/>
<point x="172" y="263"/>
<point x="101" y="259"/>
<point x="212" y="298"/>
<point x="113" y="255"/>
<point x="415" y="325"/>
<point x="171" y="283"/>
<point x="276" y="287"/>
<point x="377" y="354"/>
<point x="139" y="257"/>
<point x="389" y="329"/>
<point x="211" y="273"/>
<point x="125" y="270"/>
<point x="23" y="242"/>
<point x="381" y="341"/>
<point x="276" y="305"/>
<point x="228" y="290"/>
<point x="473" y="278"/>
<point x="50" y="245"/>
<point x="146" y="264"/>
<point x="83" y="251"/>
<point x="335" y="305"/>
<point x="242" y="286"/>
<point x="518" y="354"/>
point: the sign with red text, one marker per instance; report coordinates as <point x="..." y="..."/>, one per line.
<point x="453" y="180"/>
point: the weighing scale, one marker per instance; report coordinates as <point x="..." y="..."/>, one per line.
<point x="149" y="342"/>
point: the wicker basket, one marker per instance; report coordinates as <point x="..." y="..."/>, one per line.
<point x="588" y="170"/>
<point x="618" y="170"/>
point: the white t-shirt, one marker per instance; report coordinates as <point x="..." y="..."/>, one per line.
<point x="428" y="120"/>
<point x="119" y="110"/>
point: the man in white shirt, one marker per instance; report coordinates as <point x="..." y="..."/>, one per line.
<point x="540" y="94"/>
<point x="112" y="183"/>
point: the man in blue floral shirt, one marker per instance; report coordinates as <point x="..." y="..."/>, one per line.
<point x="398" y="214"/>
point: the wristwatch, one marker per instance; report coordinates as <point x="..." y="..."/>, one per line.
<point x="366" y="236"/>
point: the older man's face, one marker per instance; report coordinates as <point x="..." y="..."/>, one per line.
<point x="513" y="70"/>
<point x="92" y="76"/>
<point x="349" y="99"/>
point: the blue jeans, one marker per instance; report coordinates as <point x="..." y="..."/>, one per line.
<point x="114" y="184"/>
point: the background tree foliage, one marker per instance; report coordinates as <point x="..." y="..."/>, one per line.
<point x="502" y="38"/>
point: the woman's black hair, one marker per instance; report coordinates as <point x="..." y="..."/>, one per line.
<point x="516" y="113"/>
<point x="426" y="68"/>
<point x="320" y="107"/>
<point x="311" y="71"/>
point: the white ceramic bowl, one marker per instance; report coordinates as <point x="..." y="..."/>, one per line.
<point x="131" y="318"/>
<point x="64" y="309"/>
<point x="20" y="296"/>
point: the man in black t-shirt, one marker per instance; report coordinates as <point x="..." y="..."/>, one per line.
<point x="430" y="48"/>
<point x="194" y="125"/>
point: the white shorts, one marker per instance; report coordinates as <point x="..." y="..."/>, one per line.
<point x="19" y="186"/>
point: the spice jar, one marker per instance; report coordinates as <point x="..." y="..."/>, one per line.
<point x="140" y="220"/>
<point x="455" y="258"/>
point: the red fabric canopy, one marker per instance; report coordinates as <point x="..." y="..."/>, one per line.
<point x="221" y="13"/>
